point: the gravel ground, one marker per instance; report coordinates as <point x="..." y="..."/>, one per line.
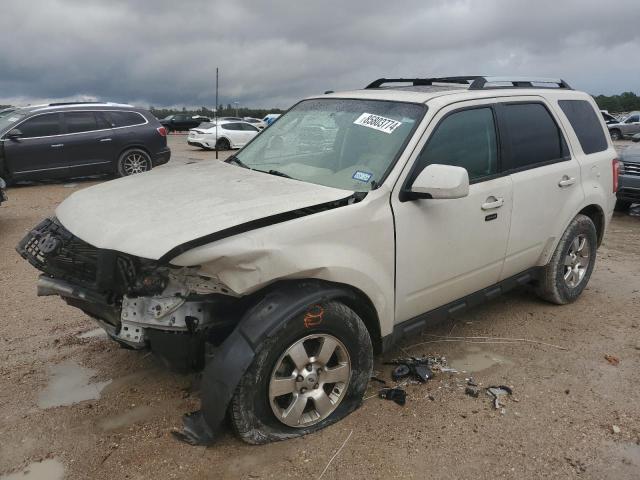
<point x="572" y="413"/>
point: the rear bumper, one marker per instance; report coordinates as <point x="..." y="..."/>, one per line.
<point x="162" y="157"/>
<point x="629" y="188"/>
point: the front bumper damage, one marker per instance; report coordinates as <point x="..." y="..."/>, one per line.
<point x="141" y="304"/>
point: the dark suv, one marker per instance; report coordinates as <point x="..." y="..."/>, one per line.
<point x="182" y="122"/>
<point x="77" y="139"/>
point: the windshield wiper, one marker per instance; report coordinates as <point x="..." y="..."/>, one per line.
<point x="278" y="173"/>
<point x="237" y="161"/>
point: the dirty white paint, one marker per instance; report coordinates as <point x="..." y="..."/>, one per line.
<point x="69" y="384"/>
<point x="50" y="469"/>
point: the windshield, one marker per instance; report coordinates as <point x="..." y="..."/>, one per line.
<point x="340" y="143"/>
<point x="8" y="117"/>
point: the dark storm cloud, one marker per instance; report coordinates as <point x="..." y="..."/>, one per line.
<point x="271" y="53"/>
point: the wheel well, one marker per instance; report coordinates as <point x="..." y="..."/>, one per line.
<point x="595" y="213"/>
<point x="352" y="297"/>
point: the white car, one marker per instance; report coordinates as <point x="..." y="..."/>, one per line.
<point x="256" y="122"/>
<point x="283" y="270"/>
<point x="231" y="135"/>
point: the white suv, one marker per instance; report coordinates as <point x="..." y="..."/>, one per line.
<point x="353" y="221"/>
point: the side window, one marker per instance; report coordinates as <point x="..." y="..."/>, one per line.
<point x="585" y="122"/>
<point x="633" y="119"/>
<point x="463" y="139"/>
<point x="103" y="120"/>
<point x="248" y="128"/>
<point x="232" y="126"/>
<point x="534" y="136"/>
<point x="41" y="126"/>
<point x="80" y="122"/>
<point x="125" y="119"/>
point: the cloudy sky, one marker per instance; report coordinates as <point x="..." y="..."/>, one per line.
<point x="164" y="52"/>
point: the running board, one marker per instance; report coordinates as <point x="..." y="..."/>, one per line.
<point x="414" y="326"/>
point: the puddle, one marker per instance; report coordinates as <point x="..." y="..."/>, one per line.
<point x="127" y="418"/>
<point x="476" y="360"/>
<point x="95" y="333"/>
<point x="50" y="469"/>
<point x="69" y="384"/>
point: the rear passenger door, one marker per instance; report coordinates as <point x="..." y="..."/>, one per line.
<point x="88" y="143"/>
<point x="547" y="188"/>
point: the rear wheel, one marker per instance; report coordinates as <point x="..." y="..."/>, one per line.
<point x="133" y="161"/>
<point x="310" y="374"/>
<point x="568" y="272"/>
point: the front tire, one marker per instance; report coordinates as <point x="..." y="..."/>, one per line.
<point x="223" y="144"/>
<point x="311" y="373"/>
<point x="567" y="273"/>
<point x="616" y="134"/>
<point x="133" y="161"/>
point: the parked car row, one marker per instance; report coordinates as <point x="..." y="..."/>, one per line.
<point x="77" y="139"/>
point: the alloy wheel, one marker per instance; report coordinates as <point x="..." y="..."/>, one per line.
<point x="577" y="261"/>
<point x="135" y="162"/>
<point x="309" y="380"/>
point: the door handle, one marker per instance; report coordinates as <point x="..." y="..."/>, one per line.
<point x="566" y="181"/>
<point x="493" y="202"/>
<point x="105" y="139"/>
<point x="57" y="145"/>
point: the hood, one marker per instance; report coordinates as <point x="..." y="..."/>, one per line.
<point x="151" y="213"/>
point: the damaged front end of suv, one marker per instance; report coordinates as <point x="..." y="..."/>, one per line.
<point x="140" y="303"/>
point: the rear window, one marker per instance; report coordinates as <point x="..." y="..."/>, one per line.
<point x="534" y="136"/>
<point x="586" y="124"/>
<point x="126" y="119"/>
<point x="41" y="126"/>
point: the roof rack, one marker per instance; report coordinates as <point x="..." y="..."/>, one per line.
<point x="60" y="104"/>
<point x="479" y="82"/>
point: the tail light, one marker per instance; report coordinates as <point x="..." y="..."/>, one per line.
<point x="615" y="169"/>
<point x="162" y="131"/>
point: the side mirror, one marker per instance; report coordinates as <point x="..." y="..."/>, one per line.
<point x="14" y="134"/>
<point x="439" y="181"/>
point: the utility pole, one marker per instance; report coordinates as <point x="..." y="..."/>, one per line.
<point x="216" y="113"/>
<point x="236" y="104"/>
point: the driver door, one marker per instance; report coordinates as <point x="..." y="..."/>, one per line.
<point x="449" y="248"/>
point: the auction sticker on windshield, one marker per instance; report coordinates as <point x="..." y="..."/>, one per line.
<point x="377" y="122"/>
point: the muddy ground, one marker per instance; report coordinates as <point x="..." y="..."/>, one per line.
<point x="559" y="422"/>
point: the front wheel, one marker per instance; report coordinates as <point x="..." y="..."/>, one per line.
<point x="616" y="134"/>
<point x="223" y="144"/>
<point x="133" y="161"/>
<point x="568" y="272"/>
<point x="310" y="374"/>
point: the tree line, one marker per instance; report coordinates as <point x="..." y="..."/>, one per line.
<point x="625" y="102"/>
<point x="223" y="111"/>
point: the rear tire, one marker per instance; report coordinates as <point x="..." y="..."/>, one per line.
<point x="325" y="391"/>
<point x="132" y="161"/>
<point x="566" y="275"/>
